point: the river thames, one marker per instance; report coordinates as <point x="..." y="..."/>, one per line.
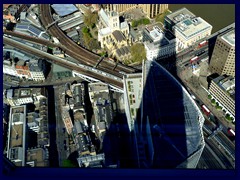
<point x="218" y="15"/>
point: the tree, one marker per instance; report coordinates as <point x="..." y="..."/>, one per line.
<point x="228" y="117"/>
<point x="138" y="53"/>
<point x="90" y="19"/>
<point x="69" y="163"/>
<point x="134" y="23"/>
<point x="213" y="101"/>
<point x="85" y="30"/>
<point x="160" y="17"/>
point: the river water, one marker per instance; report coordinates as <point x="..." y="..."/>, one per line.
<point x="218" y="15"/>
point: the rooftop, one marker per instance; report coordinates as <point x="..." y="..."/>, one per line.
<point x="28" y="27"/>
<point x="133" y="87"/>
<point x="191" y="27"/>
<point x="123" y="51"/>
<point x="104" y="16"/>
<point x="64" y="9"/>
<point x="105" y="31"/>
<point x="118" y="36"/>
<point x="227" y="84"/>
<point x="180" y="15"/>
<point x="229" y="37"/>
<point x="16" y="136"/>
<point x="37" y="155"/>
<point x="154" y="32"/>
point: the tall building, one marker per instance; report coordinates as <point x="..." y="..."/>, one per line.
<point x="223" y="57"/>
<point x="151" y="10"/>
<point x="167" y="129"/>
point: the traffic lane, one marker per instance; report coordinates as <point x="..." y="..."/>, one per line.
<point x="61" y="134"/>
<point x="220" y="153"/>
<point x="202" y="96"/>
<point x="184" y="59"/>
<point x="211" y="159"/>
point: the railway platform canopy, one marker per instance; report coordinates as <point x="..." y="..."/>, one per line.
<point x="64" y="9"/>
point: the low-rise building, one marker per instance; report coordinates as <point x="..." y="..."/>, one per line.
<point x="110" y="29"/>
<point x="16" y="97"/>
<point x="177" y="16"/>
<point x="158" y="43"/>
<point x="9" y="68"/>
<point x="222" y="89"/>
<point x="8" y="17"/>
<point x="189" y="31"/>
<point x="19" y="149"/>
<point x="187" y="28"/>
<point x="22" y="69"/>
<point x="99" y="96"/>
<point x="37" y="157"/>
<point x="122" y="54"/>
<point x="36" y="71"/>
<point x="17" y="135"/>
<point x="29" y="29"/>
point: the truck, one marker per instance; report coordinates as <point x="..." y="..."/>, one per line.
<point x="231" y="132"/>
<point x="205" y="110"/>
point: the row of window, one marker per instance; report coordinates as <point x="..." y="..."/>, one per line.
<point x="222" y="97"/>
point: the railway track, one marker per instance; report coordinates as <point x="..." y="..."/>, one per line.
<point x="64" y="64"/>
<point x="66" y="50"/>
<point x="72" y="49"/>
<point x="91" y="58"/>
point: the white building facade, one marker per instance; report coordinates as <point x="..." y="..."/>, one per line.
<point x="9" y="68"/>
<point x="189" y="31"/>
<point x="157" y="45"/>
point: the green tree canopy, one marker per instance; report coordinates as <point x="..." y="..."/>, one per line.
<point x="90" y="18"/>
<point x="138" y="53"/>
<point x="161" y="17"/>
<point x="69" y="163"/>
<point x="144" y="21"/>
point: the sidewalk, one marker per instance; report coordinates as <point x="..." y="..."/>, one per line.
<point x="202" y="95"/>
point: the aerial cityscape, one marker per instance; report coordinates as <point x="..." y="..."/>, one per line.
<point x="141" y="86"/>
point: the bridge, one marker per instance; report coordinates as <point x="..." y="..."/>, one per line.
<point x="49" y="25"/>
<point x="87" y="72"/>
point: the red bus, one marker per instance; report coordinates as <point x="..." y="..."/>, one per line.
<point x="194" y="59"/>
<point x="231" y="132"/>
<point x="203" y="43"/>
<point x="206" y="110"/>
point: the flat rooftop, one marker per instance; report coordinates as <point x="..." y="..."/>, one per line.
<point x="229" y="37"/>
<point x="180" y="15"/>
<point x="134" y="92"/>
<point x="38" y="156"/>
<point x="191" y="27"/>
<point x="16" y="136"/>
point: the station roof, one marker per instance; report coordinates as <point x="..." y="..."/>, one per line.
<point x="64" y="9"/>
